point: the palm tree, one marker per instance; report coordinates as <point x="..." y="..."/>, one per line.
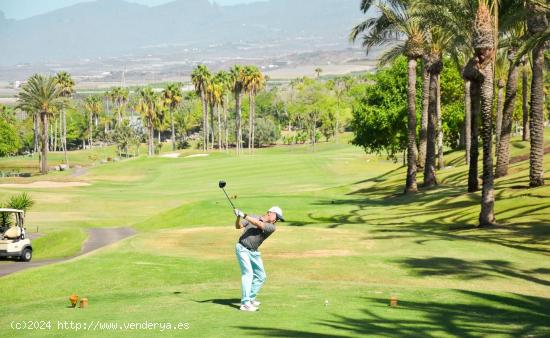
<point x="501" y="72"/>
<point x="224" y="80"/>
<point x="423" y="132"/>
<point x="146" y="105"/>
<point x="435" y="66"/>
<point x="455" y="19"/>
<point x="318" y="71"/>
<point x="214" y="93"/>
<point x="172" y="97"/>
<point x="480" y="70"/>
<point x="41" y="94"/>
<point x="67" y="89"/>
<point x="525" y="99"/>
<point x="93" y="105"/>
<point x="200" y="77"/>
<point x="254" y="81"/>
<point x="396" y="21"/>
<point x="503" y="146"/>
<point x="537" y="26"/>
<point x="119" y="97"/>
<point x="237" y="87"/>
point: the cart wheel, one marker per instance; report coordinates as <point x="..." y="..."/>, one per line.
<point x="27" y="255"/>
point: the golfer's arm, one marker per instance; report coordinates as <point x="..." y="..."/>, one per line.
<point x="259" y="224"/>
<point x="238" y="224"/>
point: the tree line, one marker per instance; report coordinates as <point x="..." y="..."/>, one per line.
<point x="227" y="109"/>
<point x="490" y="42"/>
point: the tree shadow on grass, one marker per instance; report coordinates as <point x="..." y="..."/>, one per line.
<point x="231" y="302"/>
<point x="476" y="314"/>
<point x="446" y="266"/>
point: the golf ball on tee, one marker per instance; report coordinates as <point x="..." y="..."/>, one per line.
<point x="326" y="302"/>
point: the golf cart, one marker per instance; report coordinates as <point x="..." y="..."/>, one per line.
<point x="13" y="240"/>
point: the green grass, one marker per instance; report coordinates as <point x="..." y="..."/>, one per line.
<point x="63" y="243"/>
<point x="351" y="239"/>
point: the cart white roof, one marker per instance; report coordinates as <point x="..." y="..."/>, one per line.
<point x="11" y="210"/>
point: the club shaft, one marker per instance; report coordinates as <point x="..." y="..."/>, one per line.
<point x="229" y="199"/>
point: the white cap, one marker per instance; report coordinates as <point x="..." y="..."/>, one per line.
<point x="278" y="212"/>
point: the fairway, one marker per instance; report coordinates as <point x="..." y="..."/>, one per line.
<point x="351" y="241"/>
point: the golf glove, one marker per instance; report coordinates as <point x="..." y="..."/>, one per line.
<point x="238" y="213"/>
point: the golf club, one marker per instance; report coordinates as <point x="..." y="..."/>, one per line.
<point x="222" y="185"/>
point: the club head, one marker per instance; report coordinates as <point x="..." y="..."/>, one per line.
<point x="222" y="184"/>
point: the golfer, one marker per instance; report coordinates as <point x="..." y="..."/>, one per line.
<point x="256" y="230"/>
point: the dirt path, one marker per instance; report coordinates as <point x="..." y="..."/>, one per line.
<point x="44" y="185"/>
<point x="97" y="238"/>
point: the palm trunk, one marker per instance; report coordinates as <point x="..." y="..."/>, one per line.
<point x="219" y="128"/>
<point x="204" y="120"/>
<point x="173" y="130"/>
<point x="226" y="127"/>
<point x="410" y="186"/>
<point x="337" y="122"/>
<point x="35" y="129"/>
<point x="424" y="118"/>
<point x="473" y="181"/>
<point x="467" y="121"/>
<point x="150" y="150"/>
<point x="55" y="134"/>
<point x="500" y="107"/>
<point x="525" y="103"/>
<point x="65" y="137"/>
<point x="487" y="214"/>
<point x="440" y="162"/>
<point x="211" y="127"/>
<point x="503" y="148"/>
<point x="91" y="127"/>
<point x="44" y="156"/>
<point x="250" y="112"/>
<point x="253" y="121"/>
<point x="238" y="122"/>
<point x="536" y="119"/>
<point x="429" y="167"/>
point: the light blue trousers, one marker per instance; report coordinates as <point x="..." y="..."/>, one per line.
<point x="252" y="272"/>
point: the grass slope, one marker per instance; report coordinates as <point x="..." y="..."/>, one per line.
<point x="351" y="239"/>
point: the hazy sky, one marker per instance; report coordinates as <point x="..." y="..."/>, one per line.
<point x="20" y="9"/>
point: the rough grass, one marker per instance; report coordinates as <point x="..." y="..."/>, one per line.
<point x="351" y="239"/>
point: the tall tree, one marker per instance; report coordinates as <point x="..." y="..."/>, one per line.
<point x="200" y="77"/>
<point x="172" y="97"/>
<point x="480" y="69"/>
<point x="41" y="94"/>
<point x="93" y="105"/>
<point x="395" y="21"/>
<point x="119" y="97"/>
<point x="237" y="87"/>
<point x="537" y="24"/>
<point x="146" y="105"/>
<point x="423" y="132"/>
<point x="503" y="145"/>
<point x="67" y="89"/>
<point x="318" y="71"/>
<point x="435" y="66"/>
<point x="224" y="79"/>
<point x="254" y="81"/>
<point x="525" y="98"/>
<point x="501" y="71"/>
<point x="214" y="94"/>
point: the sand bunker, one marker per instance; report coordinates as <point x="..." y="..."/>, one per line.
<point x="171" y="155"/>
<point x="44" y="184"/>
<point x="197" y="155"/>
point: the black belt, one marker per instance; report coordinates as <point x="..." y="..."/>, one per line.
<point x="241" y="243"/>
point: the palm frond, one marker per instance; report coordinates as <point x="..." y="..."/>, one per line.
<point x="392" y="54"/>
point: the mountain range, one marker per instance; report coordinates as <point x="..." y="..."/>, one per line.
<point x="115" y="28"/>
